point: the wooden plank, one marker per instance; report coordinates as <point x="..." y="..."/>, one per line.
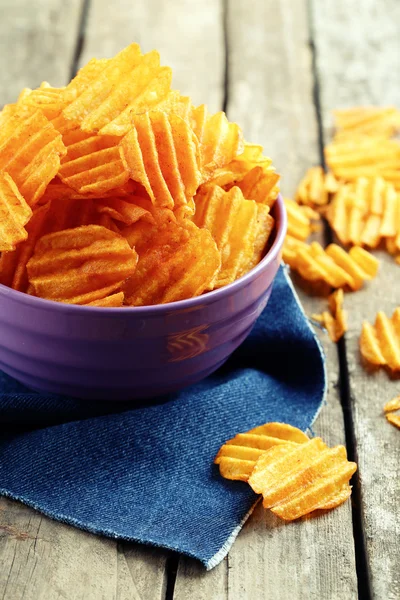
<point x="188" y="35"/>
<point x="41" y="559"/>
<point x="364" y="69"/>
<point x="37" y="43"/>
<point x="270" y="95"/>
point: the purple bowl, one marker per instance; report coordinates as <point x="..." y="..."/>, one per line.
<point x="138" y="352"/>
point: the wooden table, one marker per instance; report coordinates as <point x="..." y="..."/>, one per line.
<point x="277" y="67"/>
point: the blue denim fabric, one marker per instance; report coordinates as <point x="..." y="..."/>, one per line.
<point x="147" y="474"/>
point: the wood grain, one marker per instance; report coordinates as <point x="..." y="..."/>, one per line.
<point x="270" y="94"/>
<point x="364" y="69"/>
<point x="37" y="43"/>
<point x="41" y="559"/>
<point x="187" y="34"/>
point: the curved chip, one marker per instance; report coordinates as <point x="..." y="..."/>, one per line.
<point x="380" y="344"/>
<point x="30" y="152"/>
<point x="176" y="262"/>
<point x="115" y="300"/>
<point x="14" y="214"/>
<point x="161" y="152"/>
<point x="127" y="84"/>
<point x="393" y="404"/>
<point x="80" y="265"/>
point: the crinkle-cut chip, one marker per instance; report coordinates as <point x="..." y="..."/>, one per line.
<point x="85" y="77"/>
<point x="177" y="104"/>
<point x="161" y="153"/>
<point x="393" y="419"/>
<point x="177" y="261"/>
<point x="93" y="163"/>
<point x="130" y="83"/>
<point x="45" y="98"/>
<point x="321" y="492"/>
<point x="30" y="152"/>
<point x="365" y="211"/>
<point x="393" y="404"/>
<point x="233" y="172"/>
<point x="300" y="219"/>
<point x="282" y="431"/>
<point x="125" y="211"/>
<point x="392" y="175"/>
<point x="315" y="187"/>
<point x="263" y="229"/>
<point x="367" y="120"/>
<point x="336" y="499"/>
<point x="80" y="265"/>
<point x="259" y="184"/>
<point x="220" y="142"/>
<point x="237" y="457"/>
<point x="216" y="210"/>
<point x="380" y="344"/>
<point x="237" y="244"/>
<point x="14" y="214"/>
<point x="115" y="300"/>
<point x="48" y="219"/>
<point x="334" y="322"/>
<point x="362" y="156"/>
<point x="274" y="467"/>
<point x="333" y="265"/>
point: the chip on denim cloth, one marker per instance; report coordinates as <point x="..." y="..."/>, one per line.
<point x="147" y="474"/>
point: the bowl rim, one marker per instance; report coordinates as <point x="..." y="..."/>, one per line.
<point x="208" y="298"/>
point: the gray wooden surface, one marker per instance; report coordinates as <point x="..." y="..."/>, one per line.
<point x="255" y="58"/>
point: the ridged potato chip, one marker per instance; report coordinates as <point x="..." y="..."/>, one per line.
<point x="238" y="456"/>
<point x="367" y="120"/>
<point x="302" y="479"/>
<point x="115" y="300"/>
<point x="333" y="265"/>
<point x="315" y="187"/>
<point x="14" y="214"/>
<point x="393" y="419"/>
<point x="177" y="261"/>
<point x="393" y="404"/>
<point x="47" y="99"/>
<point x="130" y="83"/>
<point x="161" y="152"/>
<point x="240" y="227"/>
<point x="80" y="265"/>
<point x="220" y="140"/>
<point x="380" y="344"/>
<point x="300" y="220"/>
<point x="335" y="321"/>
<point x="30" y="152"/>
<point x="234" y="171"/>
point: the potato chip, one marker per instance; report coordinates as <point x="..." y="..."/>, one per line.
<point x="130" y="83"/>
<point x="14" y="214"/>
<point x="302" y="478"/>
<point x="115" y="300"/>
<point x="367" y="120"/>
<point x="220" y="142"/>
<point x="333" y="265"/>
<point x="47" y="99"/>
<point x="315" y="187"/>
<point x="177" y="261"/>
<point x="80" y="265"/>
<point x="365" y="211"/>
<point x="240" y="227"/>
<point x="380" y="344"/>
<point x="260" y="184"/>
<point x="393" y="404"/>
<point x="237" y="457"/>
<point x="93" y="164"/>
<point x="300" y="219"/>
<point x="30" y="152"/>
<point x="362" y="156"/>
<point x="334" y="322"/>
<point x="161" y="152"/>
<point x="233" y="172"/>
<point x="393" y="419"/>
<point x="123" y="210"/>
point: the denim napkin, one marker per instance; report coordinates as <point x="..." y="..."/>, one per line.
<point x="147" y="474"/>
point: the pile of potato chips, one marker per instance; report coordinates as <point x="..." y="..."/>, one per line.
<point x="115" y="190"/>
<point x="295" y="475"/>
